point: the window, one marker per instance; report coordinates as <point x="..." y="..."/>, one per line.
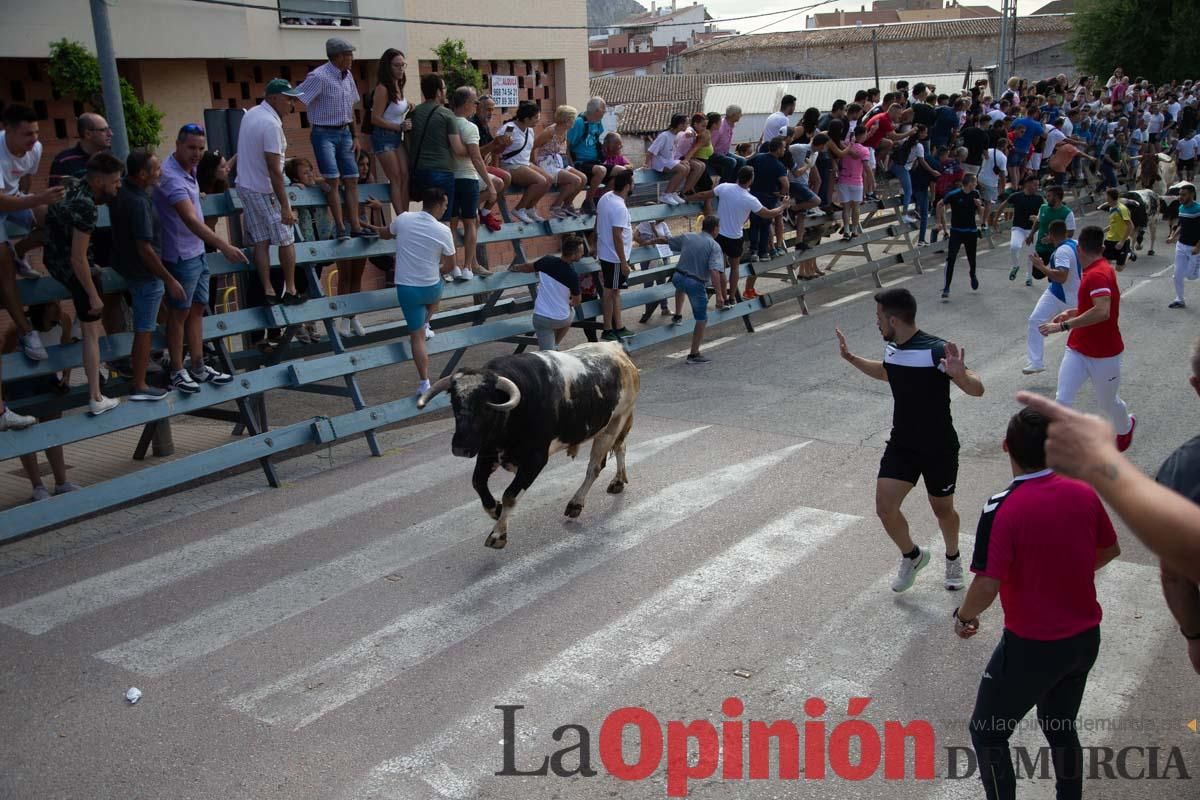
<point x="324" y="13"/>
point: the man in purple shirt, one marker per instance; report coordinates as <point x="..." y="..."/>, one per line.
<point x="184" y="234"/>
<point x="723" y="161"/>
<point x="329" y="93"/>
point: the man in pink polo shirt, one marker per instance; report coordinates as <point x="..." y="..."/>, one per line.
<point x="1038" y="545"/>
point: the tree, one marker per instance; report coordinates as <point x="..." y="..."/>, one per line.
<point x="1152" y="39"/>
<point x="74" y="72"/>
<point x="455" y="66"/>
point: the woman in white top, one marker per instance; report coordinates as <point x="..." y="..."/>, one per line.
<point x="548" y="148"/>
<point x="662" y="159"/>
<point x="389" y="111"/>
<point x="516" y="160"/>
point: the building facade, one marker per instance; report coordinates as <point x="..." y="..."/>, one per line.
<point x="905" y="48"/>
<point x="185" y="57"/>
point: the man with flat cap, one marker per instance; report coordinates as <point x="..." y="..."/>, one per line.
<point x="330" y="94"/>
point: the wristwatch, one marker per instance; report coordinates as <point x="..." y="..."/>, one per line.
<point x="1066" y="326"/>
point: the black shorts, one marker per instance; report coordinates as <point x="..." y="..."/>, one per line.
<point x="731" y="247"/>
<point x="586" y="168"/>
<point x="1113" y="253"/>
<point x="611" y="277"/>
<point x="1186" y="163"/>
<point x="80" y="298"/>
<point x="940" y="470"/>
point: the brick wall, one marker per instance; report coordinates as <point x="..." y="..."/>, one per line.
<point x="855" y="60"/>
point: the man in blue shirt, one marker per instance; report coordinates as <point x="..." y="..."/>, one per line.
<point x="1028" y="128"/>
<point x="583" y="144"/>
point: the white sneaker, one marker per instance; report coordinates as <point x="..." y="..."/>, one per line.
<point x="25" y="269"/>
<point x="343" y="328"/>
<point x="422" y="388"/>
<point x="429" y="334"/>
<point x="1030" y="369"/>
<point x="521" y="215"/>
<point x="32" y="345"/>
<point x="98" y="407"/>
<point x="12" y="421"/>
<point x="909" y="567"/>
<point x="534" y="216"/>
<point x="954" y="574"/>
<point x="356" y="327"/>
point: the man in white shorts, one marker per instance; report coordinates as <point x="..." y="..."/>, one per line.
<point x="1064" y="275"/>
<point x="1025" y="205"/>
<point x="267" y="216"/>
<point x="991" y="184"/>
<point x="1186" y="236"/>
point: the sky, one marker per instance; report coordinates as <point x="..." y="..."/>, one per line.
<point x="735" y="8"/>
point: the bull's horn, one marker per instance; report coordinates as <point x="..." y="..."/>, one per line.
<point x="442" y="385"/>
<point x="509" y="388"/>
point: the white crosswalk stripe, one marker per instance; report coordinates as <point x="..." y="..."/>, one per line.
<point x="47" y="611"/>
<point x="167" y="647"/>
<point x="385" y="654"/>
<point x="449" y="765"/>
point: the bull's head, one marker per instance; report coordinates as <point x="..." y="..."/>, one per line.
<point x="480" y="399"/>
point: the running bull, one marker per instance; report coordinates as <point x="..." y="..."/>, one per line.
<point x="519" y="410"/>
<point x="1145" y="207"/>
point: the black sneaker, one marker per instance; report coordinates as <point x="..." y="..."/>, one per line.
<point x="290" y="299"/>
<point x="974" y="283"/>
<point x="646" y="317"/>
<point x="676" y="319"/>
<point x="273" y="300"/>
<point x="624" y="333"/>
<point x="696" y="358"/>
<point x="365" y="233"/>
<point x="343" y="234"/>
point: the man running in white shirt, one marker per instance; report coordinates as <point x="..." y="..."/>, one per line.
<point x="1063" y="274"/>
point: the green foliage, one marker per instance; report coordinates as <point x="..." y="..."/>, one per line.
<point x="455" y="66"/>
<point x="1152" y="39"/>
<point x="74" y="72"/>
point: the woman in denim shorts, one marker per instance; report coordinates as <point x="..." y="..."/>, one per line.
<point x="389" y="121"/>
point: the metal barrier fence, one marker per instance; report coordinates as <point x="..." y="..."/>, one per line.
<point x="491" y="318"/>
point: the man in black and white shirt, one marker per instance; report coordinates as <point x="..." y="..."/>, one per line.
<point x="919" y="368"/>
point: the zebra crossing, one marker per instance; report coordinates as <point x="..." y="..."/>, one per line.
<point x="856" y="648"/>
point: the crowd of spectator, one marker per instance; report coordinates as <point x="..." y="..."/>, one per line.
<point x="451" y="153"/>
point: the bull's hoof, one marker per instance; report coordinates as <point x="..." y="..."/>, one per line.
<point x="1133" y="256"/>
<point x="495" y="542"/>
<point x="616" y="487"/>
<point x="1149" y="252"/>
<point x="574" y="510"/>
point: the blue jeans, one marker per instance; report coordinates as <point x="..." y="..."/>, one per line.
<point x="334" y="149"/>
<point x="760" y="229"/>
<point x="727" y="165"/>
<point x="146" y="295"/>
<point x="435" y="179"/>
<point x="920" y="200"/>
<point x="905" y="179"/>
<point x="384" y="140"/>
<point x="1110" y="176"/>
<point x="192" y="274"/>
<point x="697" y="294"/>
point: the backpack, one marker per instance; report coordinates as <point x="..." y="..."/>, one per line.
<point x="368" y="99"/>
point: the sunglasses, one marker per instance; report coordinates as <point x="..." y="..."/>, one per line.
<point x="192" y="129"/>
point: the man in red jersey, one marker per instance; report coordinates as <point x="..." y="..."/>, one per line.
<point x="1038" y="545"/>
<point x="1094" y="346"/>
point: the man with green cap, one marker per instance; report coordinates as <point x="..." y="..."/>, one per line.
<point x="267" y="216"/>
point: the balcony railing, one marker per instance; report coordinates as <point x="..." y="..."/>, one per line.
<point x="325" y="13"/>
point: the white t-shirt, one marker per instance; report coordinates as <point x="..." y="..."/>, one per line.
<point x="259" y="138"/>
<point x="1068" y="127"/>
<point x="776" y="125"/>
<point x="464" y="169"/>
<point x="917" y="151"/>
<point x="996" y="115"/>
<point x="1174" y="110"/>
<point x="651" y="229"/>
<point x="1053" y="137"/>
<point x="421" y="241"/>
<point x="611" y="212"/>
<point x="734" y="206"/>
<point x="992" y="159"/>
<point x="1154" y="122"/>
<point x="662" y="152"/>
<point x="1186" y="148"/>
<point x="802" y="154"/>
<point x="1066" y="258"/>
<point x="517" y="152"/>
<point x="12" y="168"/>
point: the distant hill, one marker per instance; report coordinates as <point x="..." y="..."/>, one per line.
<point x="602" y="13"/>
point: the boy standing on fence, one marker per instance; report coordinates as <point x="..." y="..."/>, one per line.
<point x="137" y="257"/>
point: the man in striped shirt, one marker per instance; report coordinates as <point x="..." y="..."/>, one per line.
<point x="330" y="93"/>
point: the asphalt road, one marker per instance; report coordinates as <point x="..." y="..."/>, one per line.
<point x="348" y="636"/>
